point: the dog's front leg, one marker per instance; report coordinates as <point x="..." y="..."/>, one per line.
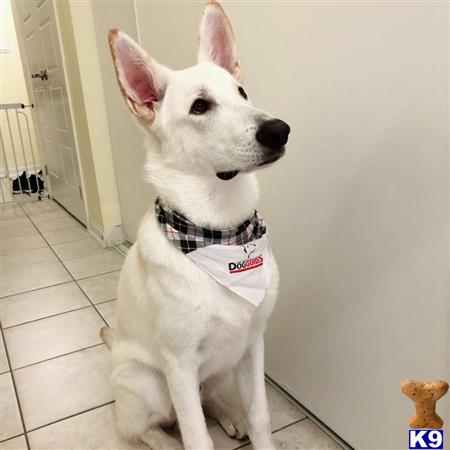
<point x="184" y="388"/>
<point x="252" y="387"/>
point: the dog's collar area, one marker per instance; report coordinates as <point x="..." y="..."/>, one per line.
<point x="188" y="237"/>
<point x="227" y="175"/>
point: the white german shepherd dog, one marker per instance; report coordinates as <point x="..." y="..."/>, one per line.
<point x="181" y="335"/>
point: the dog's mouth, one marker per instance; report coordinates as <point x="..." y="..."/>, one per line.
<point x="273" y="158"/>
<point x="227" y="175"/>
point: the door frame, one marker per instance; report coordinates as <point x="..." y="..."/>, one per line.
<point x="27" y="76"/>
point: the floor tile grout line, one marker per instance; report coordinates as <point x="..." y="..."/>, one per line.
<point x="84" y="256"/>
<point x="70" y="274"/>
<point x="13" y="232"/>
<point x="18" y="253"/>
<point x="46" y="212"/>
<point x="58" y="356"/>
<point x="19" y="406"/>
<point x="36" y="218"/>
<point x="58" y="229"/>
<point x="12" y="437"/>
<point x="90" y="276"/>
<point x="55" y="253"/>
<point x="26" y="252"/>
<point x="66" y="242"/>
<point x="248" y="442"/>
<point x="37" y="289"/>
<point x="99" y="274"/>
<point x="53" y="250"/>
<point x="46" y="317"/>
<point x="88" y="237"/>
<point x="106" y="301"/>
<point x="63" y="282"/>
<point x="11" y="220"/>
<point x="290" y="424"/>
<point x="71" y="416"/>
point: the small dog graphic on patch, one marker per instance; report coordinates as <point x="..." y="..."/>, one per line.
<point x="249" y="249"/>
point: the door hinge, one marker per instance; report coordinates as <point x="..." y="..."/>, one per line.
<point x="81" y="192"/>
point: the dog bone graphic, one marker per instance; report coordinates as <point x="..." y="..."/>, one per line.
<point x="425" y="396"/>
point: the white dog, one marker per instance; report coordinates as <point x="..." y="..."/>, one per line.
<point x="185" y="326"/>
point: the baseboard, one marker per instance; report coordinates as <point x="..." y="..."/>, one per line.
<point x="109" y="236"/>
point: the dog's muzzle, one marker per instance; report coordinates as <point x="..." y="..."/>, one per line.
<point x="272" y="135"/>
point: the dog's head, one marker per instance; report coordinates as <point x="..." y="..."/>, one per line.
<point x="202" y="115"/>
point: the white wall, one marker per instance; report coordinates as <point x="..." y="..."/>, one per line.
<point x="13" y="90"/>
<point x="126" y="139"/>
<point x="358" y="208"/>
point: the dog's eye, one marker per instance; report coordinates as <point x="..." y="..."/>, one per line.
<point x="242" y="92"/>
<point x="200" y="106"/>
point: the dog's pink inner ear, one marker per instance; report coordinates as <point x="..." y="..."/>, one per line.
<point x="221" y="48"/>
<point x="136" y="77"/>
<point x="141" y="84"/>
<point x="217" y="41"/>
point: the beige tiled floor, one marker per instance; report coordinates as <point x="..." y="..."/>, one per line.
<point x="58" y="287"/>
<point x="100" y="288"/>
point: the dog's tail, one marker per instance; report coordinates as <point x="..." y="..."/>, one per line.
<point x="108" y="335"/>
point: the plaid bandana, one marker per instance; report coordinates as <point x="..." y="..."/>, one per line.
<point x="187" y="236"/>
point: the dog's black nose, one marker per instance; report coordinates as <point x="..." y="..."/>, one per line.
<point x="273" y="133"/>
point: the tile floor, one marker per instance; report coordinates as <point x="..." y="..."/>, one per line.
<point x="57" y="289"/>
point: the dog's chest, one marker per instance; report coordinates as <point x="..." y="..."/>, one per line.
<point x="225" y="334"/>
<point x="222" y="343"/>
<point x="216" y="324"/>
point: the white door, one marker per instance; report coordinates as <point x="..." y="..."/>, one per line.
<point x="41" y="52"/>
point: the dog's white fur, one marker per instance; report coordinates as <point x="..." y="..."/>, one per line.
<point x="178" y="329"/>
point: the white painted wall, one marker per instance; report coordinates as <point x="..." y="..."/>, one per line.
<point x="126" y="139"/>
<point x="358" y="208"/>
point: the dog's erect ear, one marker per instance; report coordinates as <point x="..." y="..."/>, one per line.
<point x="216" y="41"/>
<point x="141" y="79"/>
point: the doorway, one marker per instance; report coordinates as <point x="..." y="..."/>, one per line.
<point x="43" y="62"/>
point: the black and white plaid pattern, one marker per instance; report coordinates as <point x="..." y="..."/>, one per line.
<point x="187" y="236"/>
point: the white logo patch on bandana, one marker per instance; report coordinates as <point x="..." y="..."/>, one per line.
<point x="238" y="258"/>
<point x="244" y="269"/>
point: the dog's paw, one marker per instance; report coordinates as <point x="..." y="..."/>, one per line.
<point x="234" y="425"/>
